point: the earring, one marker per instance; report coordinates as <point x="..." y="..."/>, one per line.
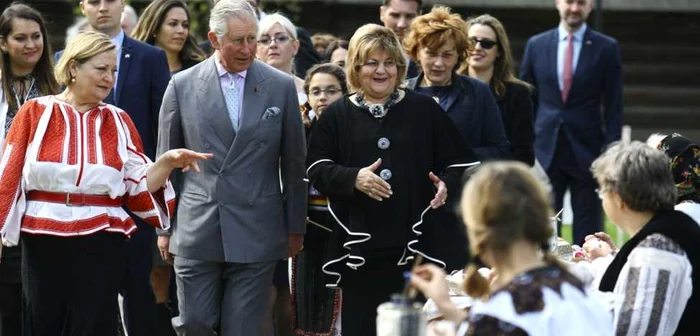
<point x="72" y="80"/>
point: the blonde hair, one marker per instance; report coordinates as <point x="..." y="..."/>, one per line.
<point x="80" y="49"/>
<point x="506" y="203"/>
<point x="366" y="40"/>
<point x="435" y="29"/>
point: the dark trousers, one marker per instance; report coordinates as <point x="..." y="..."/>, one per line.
<point x="365" y="289"/>
<point x="10" y="309"/>
<point x="564" y="172"/>
<point x="140" y="313"/>
<point x="10" y="292"/>
<point x="70" y="284"/>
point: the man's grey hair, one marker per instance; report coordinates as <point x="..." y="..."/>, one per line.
<point x="227" y="9"/>
<point x="640" y="174"/>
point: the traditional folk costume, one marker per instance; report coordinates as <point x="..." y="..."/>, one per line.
<point x="64" y="177"/>
<point x="315" y="307"/>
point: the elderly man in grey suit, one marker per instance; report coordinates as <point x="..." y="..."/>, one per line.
<point x="247" y="207"/>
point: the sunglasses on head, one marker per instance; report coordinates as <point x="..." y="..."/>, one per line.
<point x="486" y="44"/>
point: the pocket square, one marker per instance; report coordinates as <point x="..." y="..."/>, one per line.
<point x="271" y="112"/>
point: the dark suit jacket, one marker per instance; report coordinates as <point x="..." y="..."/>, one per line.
<point x="475" y="113"/>
<point x="597" y="82"/>
<point x="143" y="75"/>
<point x="516" y="112"/>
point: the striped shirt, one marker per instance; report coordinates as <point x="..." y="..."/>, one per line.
<point x="653" y="288"/>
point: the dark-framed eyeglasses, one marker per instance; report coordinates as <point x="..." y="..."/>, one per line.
<point x="281" y="39"/>
<point x="331" y="91"/>
<point x="485" y="43"/>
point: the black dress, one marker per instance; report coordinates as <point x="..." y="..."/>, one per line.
<point x="373" y="242"/>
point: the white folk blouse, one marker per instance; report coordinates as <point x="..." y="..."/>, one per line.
<point x="54" y="148"/>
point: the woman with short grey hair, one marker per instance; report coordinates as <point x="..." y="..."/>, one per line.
<point x="654" y="290"/>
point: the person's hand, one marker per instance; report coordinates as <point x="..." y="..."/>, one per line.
<point x="441" y="194"/>
<point x="184" y="159"/>
<point x="604" y="237"/>
<point x="595" y="248"/>
<point x="430" y="280"/>
<point x="369" y="183"/>
<point x="296" y="243"/>
<point x="163" y="247"/>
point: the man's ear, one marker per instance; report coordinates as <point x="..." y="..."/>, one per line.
<point x="82" y="7"/>
<point x="382" y="9"/>
<point x="214" y="40"/>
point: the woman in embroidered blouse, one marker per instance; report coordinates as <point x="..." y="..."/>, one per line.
<point x="26" y="72"/>
<point x="375" y="155"/>
<point x="508" y="211"/>
<point x="69" y="164"/>
<point x="651" y="284"/>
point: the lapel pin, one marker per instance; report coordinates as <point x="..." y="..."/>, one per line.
<point x="588" y="42"/>
<point x="127" y="56"/>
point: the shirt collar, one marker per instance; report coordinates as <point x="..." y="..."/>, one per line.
<point x="220" y="68"/>
<point x="119" y="40"/>
<point x="578" y="35"/>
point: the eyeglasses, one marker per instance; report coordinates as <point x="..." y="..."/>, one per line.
<point x="277" y="39"/>
<point x="331" y="91"/>
<point x="485" y="43"/>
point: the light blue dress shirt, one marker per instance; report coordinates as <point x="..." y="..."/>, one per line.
<point x="561" y="52"/>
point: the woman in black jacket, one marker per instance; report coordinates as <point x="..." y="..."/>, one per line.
<point x="491" y="61"/>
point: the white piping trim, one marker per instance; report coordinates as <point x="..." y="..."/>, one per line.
<point x="317" y="162"/>
<point x="346" y="245"/>
<point x="458" y="165"/>
<point x="414" y="250"/>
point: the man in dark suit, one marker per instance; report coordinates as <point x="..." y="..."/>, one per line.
<point x="397" y="15"/>
<point x="578" y="75"/>
<point x="141" y="80"/>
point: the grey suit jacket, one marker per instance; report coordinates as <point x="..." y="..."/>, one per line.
<point x="235" y="209"/>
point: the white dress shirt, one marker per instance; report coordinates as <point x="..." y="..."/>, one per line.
<point x="118" y="41"/>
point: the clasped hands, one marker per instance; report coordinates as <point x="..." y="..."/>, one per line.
<point x="376" y="188"/>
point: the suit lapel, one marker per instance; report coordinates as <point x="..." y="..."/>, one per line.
<point x="552" y="60"/>
<point x="123" y="67"/>
<point x="211" y="99"/>
<point x="251" y="112"/>
<point x="584" y="59"/>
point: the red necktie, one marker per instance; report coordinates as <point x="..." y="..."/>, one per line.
<point x="568" y="68"/>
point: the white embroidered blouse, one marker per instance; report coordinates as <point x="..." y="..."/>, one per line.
<point x="54" y="148"/>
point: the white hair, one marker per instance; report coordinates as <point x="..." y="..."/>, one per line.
<point x="80" y="24"/>
<point x="226" y="9"/>
<point x="655" y="139"/>
<point x="270" y="20"/>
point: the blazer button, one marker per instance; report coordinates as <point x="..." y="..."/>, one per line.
<point x="207" y="145"/>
